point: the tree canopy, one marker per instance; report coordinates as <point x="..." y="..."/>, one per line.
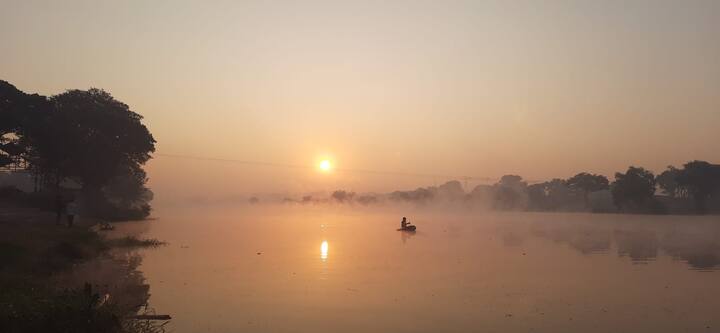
<point x="99" y="137"/>
<point x="586" y="183"/>
<point x="633" y="188"/>
<point x="84" y="135"/>
<point x="701" y="179"/>
<point x="668" y="182"/>
<point x="510" y="193"/>
<point x="20" y="116"/>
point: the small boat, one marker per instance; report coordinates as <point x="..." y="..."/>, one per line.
<point x="410" y="228"/>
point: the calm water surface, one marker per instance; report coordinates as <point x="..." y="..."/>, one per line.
<point x="311" y="269"/>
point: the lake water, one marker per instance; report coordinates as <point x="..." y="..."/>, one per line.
<point x="331" y="269"/>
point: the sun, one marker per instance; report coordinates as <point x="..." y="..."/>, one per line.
<point x="325" y="165"/>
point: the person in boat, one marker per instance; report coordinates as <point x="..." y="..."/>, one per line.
<point x="406" y="226"/>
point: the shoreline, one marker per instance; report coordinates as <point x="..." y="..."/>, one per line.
<point x="60" y="277"/>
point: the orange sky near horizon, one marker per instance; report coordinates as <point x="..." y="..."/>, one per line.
<point x="458" y="88"/>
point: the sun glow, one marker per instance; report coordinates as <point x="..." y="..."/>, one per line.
<point x="325" y="165"/>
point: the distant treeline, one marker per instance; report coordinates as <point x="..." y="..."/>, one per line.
<point x="81" y="144"/>
<point x="692" y="189"/>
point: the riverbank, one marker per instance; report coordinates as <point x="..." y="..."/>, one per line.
<point x="60" y="279"/>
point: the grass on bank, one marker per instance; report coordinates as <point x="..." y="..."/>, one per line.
<point x="32" y="251"/>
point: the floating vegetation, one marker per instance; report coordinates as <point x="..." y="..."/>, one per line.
<point x="132" y="241"/>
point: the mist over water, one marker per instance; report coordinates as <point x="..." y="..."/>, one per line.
<point x="267" y="151"/>
<point x="282" y="268"/>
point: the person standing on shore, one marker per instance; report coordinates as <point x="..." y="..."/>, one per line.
<point x="59" y="208"/>
<point x="71" y="211"/>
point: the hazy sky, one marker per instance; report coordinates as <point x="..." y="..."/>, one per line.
<point x="480" y="88"/>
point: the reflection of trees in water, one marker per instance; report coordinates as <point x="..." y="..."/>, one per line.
<point x="588" y="242"/>
<point x="585" y="239"/>
<point x="699" y="247"/>
<point x="703" y="261"/>
<point x="640" y="245"/>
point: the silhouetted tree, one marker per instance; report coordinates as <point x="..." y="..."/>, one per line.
<point x="510" y="192"/>
<point x="21" y="115"/>
<point x="94" y="139"/>
<point x="538" y="197"/>
<point x="343" y="196"/>
<point x="506" y="198"/>
<point x="512" y="181"/>
<point x="127" y="194"/>
<point x="586" y="183"/>
<point x="702" y="180"/>
<point x="482" y="195"/>
<point x="105" y="135"/>
<point x="668" y="182"/>
<point x="367" y="199"/>
<point x="451" y="191"/>
<point x="560" y="194"/>
<point x="551" y="195"/>
<point x="635" y="187"/>
<point x="421" y="195"/>
<point x="87" y="136"/>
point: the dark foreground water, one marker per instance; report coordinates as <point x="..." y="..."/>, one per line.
<point x="312" y="269"/>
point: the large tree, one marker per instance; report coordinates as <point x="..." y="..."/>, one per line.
<point x="633" y="188"/>
<point x="87" y="136"/>
<point x="510" y="192"/>
<point x="100" y="136"/>
<point x="550" y="195"/>
<point x="93" y="139"/>
<point x="20" y="116"/>
<point x="586" y="183"/>
<point x="668" y="182"/>
<point x="702" y="180"/>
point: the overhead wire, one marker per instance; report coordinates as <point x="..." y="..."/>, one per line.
<point x="346" y="170"/>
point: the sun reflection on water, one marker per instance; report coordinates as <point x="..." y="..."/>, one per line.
<point x="324" y="251"/>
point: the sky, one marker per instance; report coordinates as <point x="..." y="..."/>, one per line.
<point x="542" y="89"/>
